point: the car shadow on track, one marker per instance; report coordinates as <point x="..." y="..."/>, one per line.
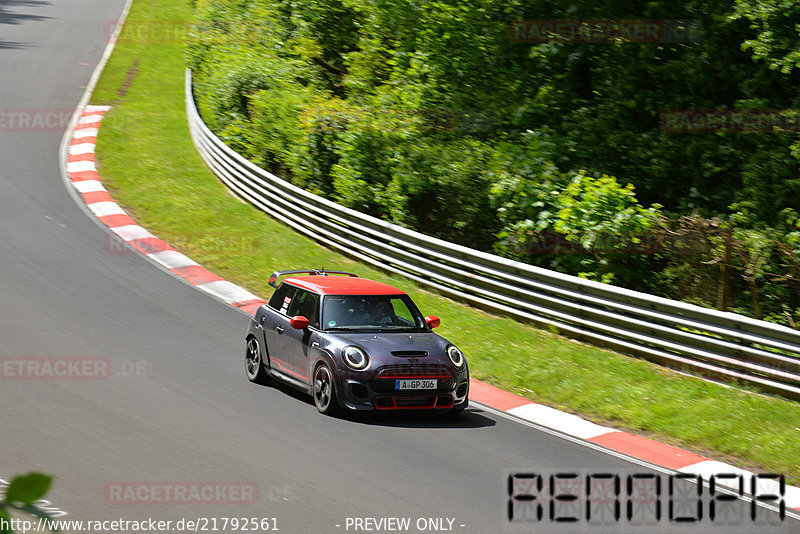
<point x="472" y="417"/>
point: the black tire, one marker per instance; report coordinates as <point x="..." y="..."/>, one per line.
<point x="253" y="366"/>
<point x="324" y="390"/>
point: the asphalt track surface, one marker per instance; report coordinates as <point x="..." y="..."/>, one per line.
<point x="175" y="406"/>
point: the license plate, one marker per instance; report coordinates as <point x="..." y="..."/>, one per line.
<point x="415" y="383"/>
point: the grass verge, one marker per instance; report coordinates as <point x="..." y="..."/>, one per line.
<point x="148" y="162"/>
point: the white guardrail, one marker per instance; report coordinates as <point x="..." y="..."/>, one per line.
<point x="681" y="336"/>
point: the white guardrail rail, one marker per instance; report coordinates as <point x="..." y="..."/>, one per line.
<point x="681" y="336"/>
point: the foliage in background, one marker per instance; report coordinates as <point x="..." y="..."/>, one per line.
<point x="430" y="115"/>
<point x="21" y="495"/>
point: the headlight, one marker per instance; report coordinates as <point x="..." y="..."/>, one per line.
<point x="355" y="358"/>
<point x="455" y="355"/>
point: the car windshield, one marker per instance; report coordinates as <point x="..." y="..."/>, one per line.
<point x="381" y="313"/>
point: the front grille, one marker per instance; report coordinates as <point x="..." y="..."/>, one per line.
<point x="416" y="402"/>
<point x="384" y="379"/>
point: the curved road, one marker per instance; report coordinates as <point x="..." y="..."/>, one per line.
<point x="175" y="406"/>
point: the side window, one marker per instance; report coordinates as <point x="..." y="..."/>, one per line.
<point x="282" y="298"/>
<point x="306" y="304"/>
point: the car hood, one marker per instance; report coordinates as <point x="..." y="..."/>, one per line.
<point x="385" y="343"/>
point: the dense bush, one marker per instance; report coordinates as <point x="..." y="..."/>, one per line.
<point x="434" y="116"/>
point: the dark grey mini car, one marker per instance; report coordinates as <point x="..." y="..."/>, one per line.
<point x="354" y="343"/>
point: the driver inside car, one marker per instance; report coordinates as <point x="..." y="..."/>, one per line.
<point x="379" y="312"/>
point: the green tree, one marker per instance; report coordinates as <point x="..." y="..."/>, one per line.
<point x="431" y="115"/>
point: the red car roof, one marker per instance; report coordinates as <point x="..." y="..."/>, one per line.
<point x="342" y="285"/>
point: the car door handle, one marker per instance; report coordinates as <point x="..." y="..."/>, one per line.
<point x="279" y="330"/>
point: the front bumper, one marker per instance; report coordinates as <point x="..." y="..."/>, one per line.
<point x="376" y="390"/>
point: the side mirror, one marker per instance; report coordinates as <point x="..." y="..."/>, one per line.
<point x="299" y="322"/>
<point x="433" y="321"/>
